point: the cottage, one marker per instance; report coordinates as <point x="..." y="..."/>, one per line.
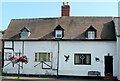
<point x="67" y="45"/>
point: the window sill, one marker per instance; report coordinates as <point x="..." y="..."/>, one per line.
<point x="82" y="64"/>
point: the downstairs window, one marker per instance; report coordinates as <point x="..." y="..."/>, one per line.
<point x="42" y="57"/>
<point x="82" y="59"/>
<point x="8" y="55"/>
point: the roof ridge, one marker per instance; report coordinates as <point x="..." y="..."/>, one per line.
<point x="36" y="18"/>
<point x="66" y="17"/>
<point x="93" y="16"/>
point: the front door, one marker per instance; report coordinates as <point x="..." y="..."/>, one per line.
<point x="109" y="65"/>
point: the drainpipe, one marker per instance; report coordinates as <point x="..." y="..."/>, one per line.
<point x="13" y="49"/>
<point x="22" y="50"/>
<point x="58" y="60"/>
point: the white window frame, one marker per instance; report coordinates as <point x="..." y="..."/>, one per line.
<point x="58" y="32"/>
<point x="25" y="34"/>
<point x="10" y="54"/>
<point x="38" y="57"/>
<point x="91" y="34"/>
<point x="7" y="56"/>
<point x="17" y="54"/>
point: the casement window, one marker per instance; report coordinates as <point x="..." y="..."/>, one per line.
<point x="42" y="57"/>
<point x="91" y="34"/>
<point x="82" y="59"/>
<point x="58" y="34"/>
<point x="25" y="33"/>
<point x="8" y="55"/>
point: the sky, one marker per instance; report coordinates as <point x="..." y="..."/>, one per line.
<point x="23" y="10"/>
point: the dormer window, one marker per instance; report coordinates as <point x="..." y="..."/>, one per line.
<point x="59" y="32"/>
<point x="91" y="32"/>
<point x="25" y="32"/>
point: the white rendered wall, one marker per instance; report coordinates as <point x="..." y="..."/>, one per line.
<point x="117" y="27"/>
<point x="95" y="48"/>
<point x="30" y="48"/>
<point x="118" y="52"/>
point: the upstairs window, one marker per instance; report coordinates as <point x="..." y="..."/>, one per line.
<point x="91" y="32"/>
<point x="24" y="33"/>
<point x="59" y="32"/>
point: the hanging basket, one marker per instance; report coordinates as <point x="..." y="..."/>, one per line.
<point x="23" y="59"/>
<point x="13" y="59"/>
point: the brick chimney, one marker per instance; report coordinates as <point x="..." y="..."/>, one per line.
<point x="65" y="9"/>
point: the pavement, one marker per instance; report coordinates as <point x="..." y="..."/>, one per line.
<point x="9" y="78"/>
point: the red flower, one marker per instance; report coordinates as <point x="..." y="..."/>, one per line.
<point x="23" y="59"/>
<point x="13" y="59"/>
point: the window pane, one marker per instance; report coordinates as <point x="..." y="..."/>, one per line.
<point x="42" y="57"/>
<point x="58" y="33"/>
<point x="88" y="59"/>
<point x="77" y="60"/>
<point x="8" y="55"/>
<point x="91" y="34"/>
<point x="48" y="57"/>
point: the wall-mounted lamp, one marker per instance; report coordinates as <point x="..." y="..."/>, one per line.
<point x="97" y="59"/>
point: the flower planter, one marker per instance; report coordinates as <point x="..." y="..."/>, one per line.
<point x="109" y="77"/>
<point x="15" y="60"/>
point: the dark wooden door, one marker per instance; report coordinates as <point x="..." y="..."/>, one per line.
<point x="108" y="65"/>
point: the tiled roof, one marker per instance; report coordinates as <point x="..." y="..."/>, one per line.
<point x="74" y="27"/>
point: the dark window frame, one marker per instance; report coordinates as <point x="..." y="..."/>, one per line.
<point x="83" y="61"/>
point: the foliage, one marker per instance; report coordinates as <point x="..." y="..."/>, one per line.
<point x="3" y="31"/>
